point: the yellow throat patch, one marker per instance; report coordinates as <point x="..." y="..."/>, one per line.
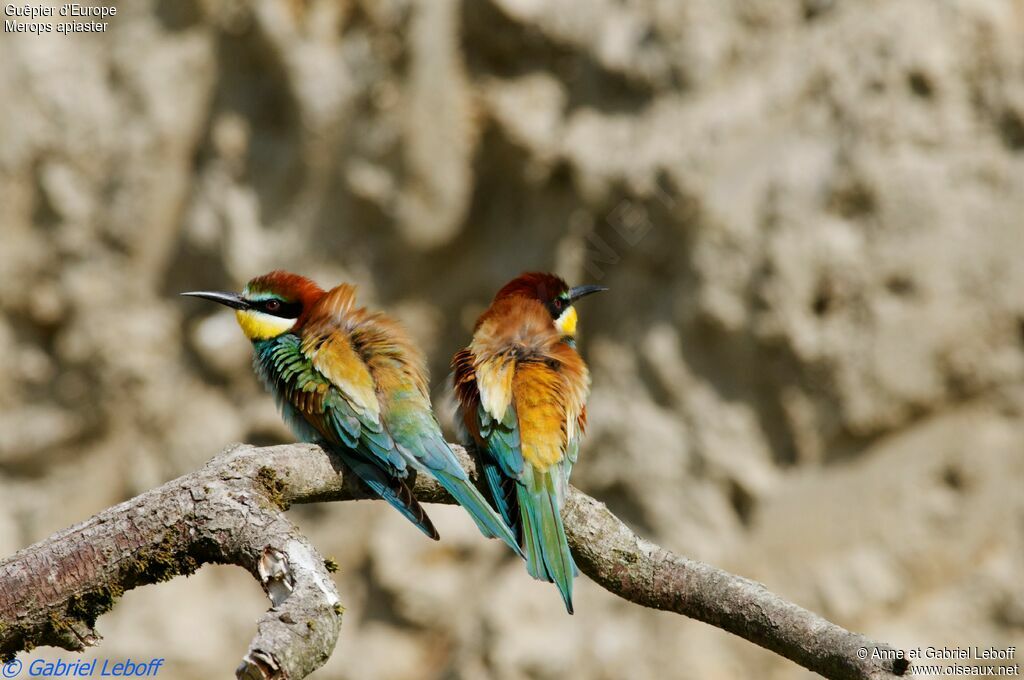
<point x="566" y="322"/>
<point x="261" y="326"/>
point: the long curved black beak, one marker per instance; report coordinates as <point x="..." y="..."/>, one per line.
<point x="582" y="291"/>
<point x="233" y="300"/>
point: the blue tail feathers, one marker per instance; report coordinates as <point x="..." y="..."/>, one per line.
<point x="547" y="551"/>
<point x="503" y="491"/>
<point x="490" y="522"/>
<point x="394" y="491"/>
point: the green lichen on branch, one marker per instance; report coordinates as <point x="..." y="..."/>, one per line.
<point x="17" y="640"/>
<point x="81" y="609"/>
<point x="150" y="564"/>
<point x="154" y="563"/>
<point x="273" y="486"/>
<point x="89" y="606"/>
<point x="158" y="563"/>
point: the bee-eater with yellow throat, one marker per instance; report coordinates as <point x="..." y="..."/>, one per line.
<point x="353" y="381"/>
<point x="522" y="389"/>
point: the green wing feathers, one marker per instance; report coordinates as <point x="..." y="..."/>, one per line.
<point x="377" y="401"/>
<point x="317" y="411"/>
<point x="354" y="381"/>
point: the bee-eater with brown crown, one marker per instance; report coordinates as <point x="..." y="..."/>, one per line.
<point x="353" y="381"/>
<point x="522" y="389"/>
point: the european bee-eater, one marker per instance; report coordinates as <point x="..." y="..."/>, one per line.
<point x="353" y="381"/>
<point x="522" y="389"/>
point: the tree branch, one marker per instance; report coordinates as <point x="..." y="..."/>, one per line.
<point x="231" y="512"/>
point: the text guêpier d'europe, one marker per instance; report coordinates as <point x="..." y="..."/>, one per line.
<point x="30" y="18"/>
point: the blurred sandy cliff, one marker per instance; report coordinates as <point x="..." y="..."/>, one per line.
<point x="809" y="368"/>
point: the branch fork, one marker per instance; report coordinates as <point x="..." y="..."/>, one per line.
<point x="231" y="511"/>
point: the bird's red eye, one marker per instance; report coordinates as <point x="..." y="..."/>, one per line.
<point x="273" y="305"/>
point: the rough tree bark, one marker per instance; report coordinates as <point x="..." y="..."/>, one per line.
<point x="231" y="512"/>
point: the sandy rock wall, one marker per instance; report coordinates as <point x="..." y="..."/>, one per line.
<point x="809" y="369"/>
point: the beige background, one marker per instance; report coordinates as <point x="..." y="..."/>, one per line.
<point x="809" y="368"/>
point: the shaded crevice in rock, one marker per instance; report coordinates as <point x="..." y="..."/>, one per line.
<point x="496" y="44"/>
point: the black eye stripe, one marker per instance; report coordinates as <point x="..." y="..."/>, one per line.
<point x="285" y="310"/>
<point x="556" y="307"/>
